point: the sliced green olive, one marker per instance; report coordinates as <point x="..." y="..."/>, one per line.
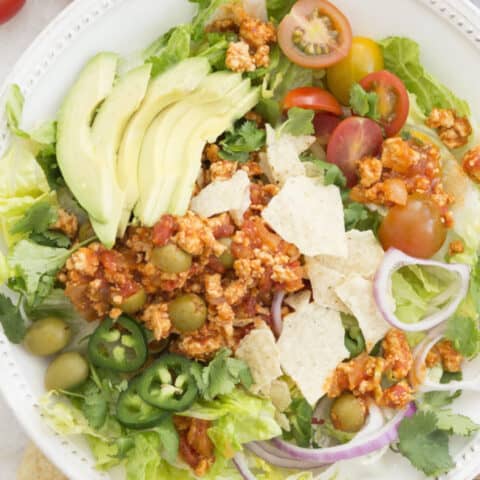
<point x="348" y="413"/>
<point x="187" y="312"/>
<point x="171" y="259"/>
<point x="47" y="336"/>
<point x="85" y="232"/>
<point x="67" y="371"/>
<point x="134" y="302"/>
<point x="226" y="258"/>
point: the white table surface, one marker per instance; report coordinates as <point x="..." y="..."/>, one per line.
<point x="15" y="36"/>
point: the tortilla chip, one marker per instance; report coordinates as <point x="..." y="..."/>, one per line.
<point x="231" y="195"/>
<point x="280" y="395"/>
<point x="310" y="216"/>
<point x="357" y="294"/>
<point x="364" y="255"/>
<point x="311" y="346"/>
<point x="298" y="300"/>
<point x="260" y="352"/>
<point x="282" y="160"/>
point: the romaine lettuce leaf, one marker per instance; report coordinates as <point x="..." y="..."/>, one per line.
<point x="238" y="418"/>
<point x="277" y="9"/>
<point x="402" y="57"/>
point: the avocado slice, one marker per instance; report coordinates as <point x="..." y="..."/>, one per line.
<point x="170" y="160"/>
<point x="164" y="90"/>
<point x="209" y="132"/>
<point x="84" y="173"/>
<point x="107" y="132"/>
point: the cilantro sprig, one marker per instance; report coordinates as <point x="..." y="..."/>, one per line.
<point x="239" y="143"/>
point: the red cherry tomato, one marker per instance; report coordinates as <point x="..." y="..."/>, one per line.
<point x="325" y="124"/>
<point x="312" y="98"/>
<point x="393" y="101"/>
<point x="353" y="139"/>
<point x="416" y="229"/>
<point x="315" y="34"/>
<point x="8" y="9"/>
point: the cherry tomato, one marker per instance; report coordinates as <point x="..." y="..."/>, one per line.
<point x="315" y="34"/>
<point x="393" y="101"/>
<point x="365" y="57"/>
<point x="8" y="9"/>
<point x="325" y="124"/>
<point x="353" y="139"/>
<point x="416" y="229"/>
<point x="312" y="98"/>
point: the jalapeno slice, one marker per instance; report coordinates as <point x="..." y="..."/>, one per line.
<point x="168" y="384"/>
<point x="134" y="412"/>
<point x="121" y="349"/>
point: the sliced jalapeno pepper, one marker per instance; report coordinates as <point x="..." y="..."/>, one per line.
<point x="168" y="384"/>
<point x="121" y="349"/>
<point x="134" y="412"/>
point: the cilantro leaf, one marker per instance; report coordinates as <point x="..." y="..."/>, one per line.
<point x="439" y="399"/>
<point x="448" y="377"/>
<point x="300" y="122"/>
<point x="169" y="438"/>
<point x="11" y="320"/>
<point x="424" y="444"/>
<point x="35" y="267"/>
<point x="359" y="217"/>
<point x="455" y="424"/>
<point x="51" y="239"/>
<point x="239" y="143"/>
<point x="221" y="376"/>
<point x="364" y="103"/>
<point x="464" y="334"/>
<point x="332" y="175"/>
<point x="48" y="163"/>
<point x="300" y="414"/>
<point x="354" y="341"/>
<point x="95" y="405"/>
<point x="37" y="220"/>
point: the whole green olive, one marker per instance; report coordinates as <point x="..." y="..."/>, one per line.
<point x="348" y="413"/>
<point x="226" y="258"/>
<point x="134" y="302"/>
<point x="85" y="232"/>
<point x="67" y="371"/>
<point x="47" y="336"/>
<point x="171" y="259"/>
<point x="187" y="312"/>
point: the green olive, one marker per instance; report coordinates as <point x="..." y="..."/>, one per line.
<point x="348" y="413"/>
<point x="226" y="258"/>
<point x="171" y="259"/>
<point x="67" y="371"/>
<point x="47" y="336"/>
<point x="134" y="302"/>
<point x="187" y="312"/>
<point x="85" y="232"/>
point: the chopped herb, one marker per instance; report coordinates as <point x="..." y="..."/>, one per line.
<point x="364" y="103"/>
<point x="11" y="320"/>
<point x="464" y="334"/>
<point x="299" y="122"/>
<point x="242" y="141"/>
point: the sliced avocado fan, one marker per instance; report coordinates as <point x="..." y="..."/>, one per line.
<point x="163" y="91"/>
<point x="170" y="158"/>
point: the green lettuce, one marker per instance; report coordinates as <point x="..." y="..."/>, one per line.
<point x="277" y="9"/>
<point x="237" y="418"/>
<point x="402" y="57"/>
<point x="415" y="289"/>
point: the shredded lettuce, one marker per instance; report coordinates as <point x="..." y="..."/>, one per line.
<point x="402" y="57"/>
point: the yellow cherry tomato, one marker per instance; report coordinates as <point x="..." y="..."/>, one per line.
<point x="365" y="57"/>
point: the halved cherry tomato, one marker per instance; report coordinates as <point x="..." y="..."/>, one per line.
<point x="325" y="124"/>
<point x="365" y="57"/>
<point x="315" y="34"/>
<point x="393" y="101"/>
<point x="8" y="9"/>
<point x="312" y="98"/>
<point x="416" y="229"/>
<point x="353" y="139"/>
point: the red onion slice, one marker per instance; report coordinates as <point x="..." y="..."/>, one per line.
<point x="426" y="385"/>
<point x="277" y="321"/>
<point x="285" y="452"/>
<point x="394" y="260"/>
<point x="240" y="462"/>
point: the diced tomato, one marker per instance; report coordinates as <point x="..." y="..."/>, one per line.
<point x="163" y="230"/>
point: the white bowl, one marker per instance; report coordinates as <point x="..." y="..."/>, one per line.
<point x="447" y="30"/>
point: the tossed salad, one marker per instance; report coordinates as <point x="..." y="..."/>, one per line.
<point x="253" y="254"/>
